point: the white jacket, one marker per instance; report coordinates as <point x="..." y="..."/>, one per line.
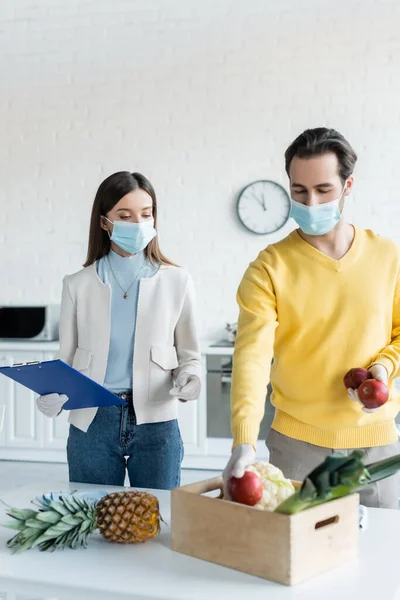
<point x="166" y="342"/>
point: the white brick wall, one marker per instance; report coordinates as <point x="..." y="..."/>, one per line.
<point x="202" y="96"/>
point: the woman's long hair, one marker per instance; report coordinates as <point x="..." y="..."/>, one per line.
<point x="110" y="192"/>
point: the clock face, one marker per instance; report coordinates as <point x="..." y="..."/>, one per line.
<point x="263" y="207"/>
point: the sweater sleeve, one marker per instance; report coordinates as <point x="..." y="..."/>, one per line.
<point x="253" y="353"/>
<point x="389" y="356"/>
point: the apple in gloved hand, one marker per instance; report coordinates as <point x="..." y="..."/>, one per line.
<point x="373" y="393"/>
<point x="367" y="387"/>
<point x="355" y="377"/>
<point x="247" y="489"/>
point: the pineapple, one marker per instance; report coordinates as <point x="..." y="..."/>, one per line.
<point x="121" y="517"/>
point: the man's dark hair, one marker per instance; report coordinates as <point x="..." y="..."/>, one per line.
<point x="315" y="142"/>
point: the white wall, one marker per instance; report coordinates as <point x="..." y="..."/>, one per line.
<point x="202" y="96"/>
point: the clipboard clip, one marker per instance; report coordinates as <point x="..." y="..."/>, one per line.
<point x="33" y="362"/>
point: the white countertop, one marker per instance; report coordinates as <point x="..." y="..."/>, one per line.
<point x="152" y="571"/>
<point x="206" y="349"/>
<point x="23" y="345"/>
<point x="13" y="345"/>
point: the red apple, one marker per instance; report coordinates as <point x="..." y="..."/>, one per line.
<point x="247" y="489"/>
<point x="355" y="377"/>
<point x="373" y="393"/>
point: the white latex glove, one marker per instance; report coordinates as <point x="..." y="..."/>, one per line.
<point x="242" y="456"/>
<point x="186" y="387"/>
<point x="51" y="404"/>
<point x="379" y="373"/>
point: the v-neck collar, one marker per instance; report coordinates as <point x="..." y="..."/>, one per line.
<point x="332" y="263"/>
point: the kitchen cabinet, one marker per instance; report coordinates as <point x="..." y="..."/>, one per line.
<point x="29" y="435"/>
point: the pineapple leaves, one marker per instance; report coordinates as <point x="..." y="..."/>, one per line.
<point x="49" y="517"/>
<point x="66" y="522"/>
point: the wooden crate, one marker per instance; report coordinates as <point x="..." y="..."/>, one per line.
<point x="287" y="549"/>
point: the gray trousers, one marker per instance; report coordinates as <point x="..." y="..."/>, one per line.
<point x="297" y="459"/>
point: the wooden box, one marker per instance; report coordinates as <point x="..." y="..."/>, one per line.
<point x="287" y="549"/>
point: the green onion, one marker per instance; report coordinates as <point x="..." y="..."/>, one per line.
<point x="338" y="476"/>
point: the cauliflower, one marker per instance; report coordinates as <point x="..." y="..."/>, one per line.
<point x="276" y="488"/>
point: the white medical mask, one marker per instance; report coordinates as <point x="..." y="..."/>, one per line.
<point x="132" y="237"/>
<point x="319" y="219"/>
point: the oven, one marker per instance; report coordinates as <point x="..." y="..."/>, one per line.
<point x="219" y="379"/>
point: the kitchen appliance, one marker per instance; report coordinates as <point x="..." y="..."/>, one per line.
<point x="30" y="323"/>
<point x="231" y="328"/>
<point x="219" y="379"/>
<point x="222" y="344"/>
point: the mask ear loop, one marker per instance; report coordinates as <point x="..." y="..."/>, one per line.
<point x="341" y="195"/>
<point x="112" y="223"/>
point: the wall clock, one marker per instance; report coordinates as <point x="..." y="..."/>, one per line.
<point x="263" y="207"/>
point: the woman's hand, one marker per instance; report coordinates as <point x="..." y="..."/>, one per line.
<point x="51" y="404"/>
<point x="187" y="387"/>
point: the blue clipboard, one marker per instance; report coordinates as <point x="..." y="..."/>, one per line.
<point x="55" y="376"/>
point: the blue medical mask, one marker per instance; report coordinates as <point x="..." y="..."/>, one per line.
<point x="132" y="237"/>
<point x="316" y="220"/>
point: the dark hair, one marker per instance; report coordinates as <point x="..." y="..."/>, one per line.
<point x="110" y="192"/>
<point x="314" y="142"/>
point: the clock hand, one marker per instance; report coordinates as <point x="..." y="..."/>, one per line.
<point x="262" y="201"/>
<point x="257" y="197"/>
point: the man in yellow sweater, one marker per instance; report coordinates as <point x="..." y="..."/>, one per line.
<point x="321" y="301"/>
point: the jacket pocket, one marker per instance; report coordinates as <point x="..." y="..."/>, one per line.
<point x="163" y="359"/>
<point x="82" y="361"/>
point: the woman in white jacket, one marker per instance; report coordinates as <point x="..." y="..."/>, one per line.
<point x="127" y="321"/>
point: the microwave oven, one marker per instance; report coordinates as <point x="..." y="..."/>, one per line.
<point x="32" y="323"/>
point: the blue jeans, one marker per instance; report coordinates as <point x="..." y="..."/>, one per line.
<point x="151" y="453"/>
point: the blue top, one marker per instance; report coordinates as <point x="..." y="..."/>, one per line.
<point x="114" y="269"/>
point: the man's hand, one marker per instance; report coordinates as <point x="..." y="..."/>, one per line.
<point x="187" y="387"/>
<point x="242" y="456"/>
<point x="379" y="373"/>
